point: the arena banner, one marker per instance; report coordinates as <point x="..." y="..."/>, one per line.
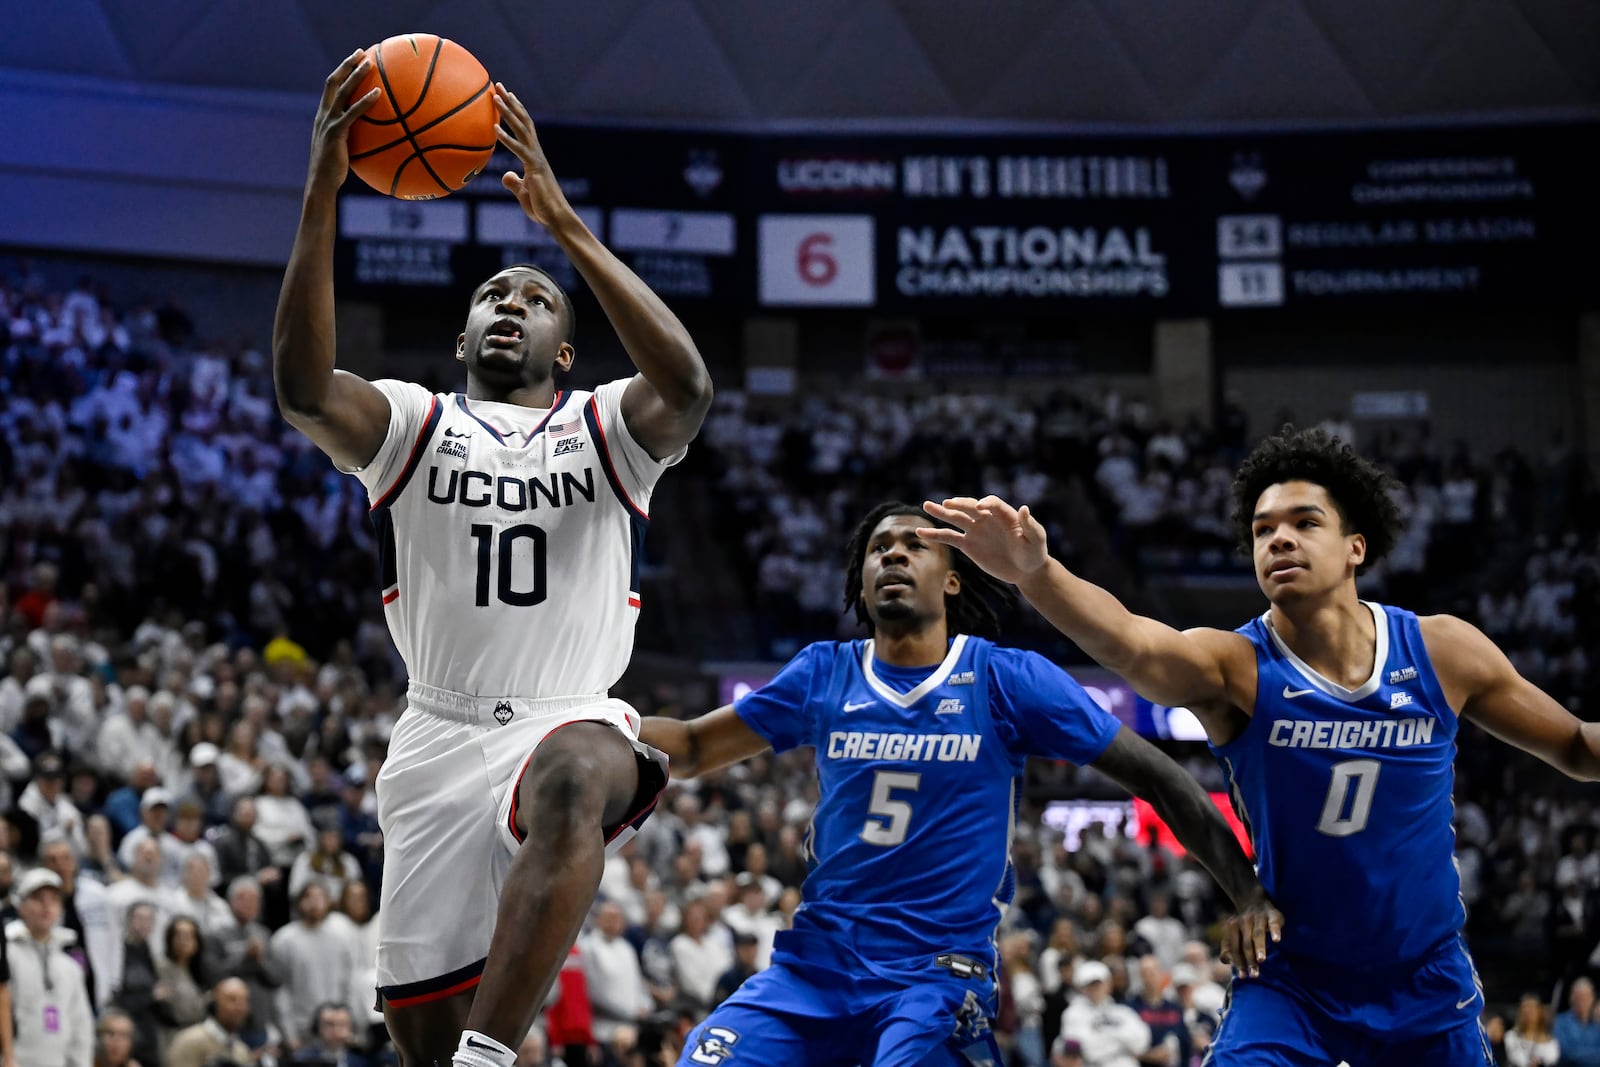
<point x="1157" y="225"/>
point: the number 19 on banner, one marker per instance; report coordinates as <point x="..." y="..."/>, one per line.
<point x="820" y="260"/>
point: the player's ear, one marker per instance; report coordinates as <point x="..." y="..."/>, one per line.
<point x="565" y="355"/>
<point x="461" y="348"/>
<point x="952" y="583"/>
<point x="1358" y="550"/>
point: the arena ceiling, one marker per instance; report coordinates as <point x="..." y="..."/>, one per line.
<point x="1140" y="62"/>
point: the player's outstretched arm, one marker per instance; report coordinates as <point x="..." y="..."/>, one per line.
<point x="343" y="415"/>
<point x="666" y="403"/>
<point x="1164" y="665"/>
<point x="708" y="743"/>
<point x="1482" y="684"/>
<point x="1152" y="775"/>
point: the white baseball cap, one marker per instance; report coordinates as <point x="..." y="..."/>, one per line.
<point x="1087" y="973"/>
<point x="35" y="880"/>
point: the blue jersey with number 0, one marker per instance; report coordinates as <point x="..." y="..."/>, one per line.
<point x="1347" y="794"/>
<point x="918" y="772"/>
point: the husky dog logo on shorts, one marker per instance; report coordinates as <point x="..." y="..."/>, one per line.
<point x="502" y="712"/>
<point x="715" y="1045"/>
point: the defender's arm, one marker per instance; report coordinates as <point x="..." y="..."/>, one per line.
<point x="708" y="743"/>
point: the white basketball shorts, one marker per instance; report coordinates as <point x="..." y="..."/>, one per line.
<point x="447" y="807"/>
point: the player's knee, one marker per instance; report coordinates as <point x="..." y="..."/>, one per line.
<point x="574" y="780"/>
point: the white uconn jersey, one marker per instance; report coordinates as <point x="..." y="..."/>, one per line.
<point x="509" y="539"/>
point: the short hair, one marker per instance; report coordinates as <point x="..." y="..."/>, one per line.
<point x="566" y="300"/>
<point x="324" y="1008"/>
<point x="243" y="881"/>
<point x="974" y="610"/>
<point x="1359" y="489"/>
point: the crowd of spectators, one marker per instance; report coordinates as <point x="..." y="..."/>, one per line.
<point x="190" y="727"/>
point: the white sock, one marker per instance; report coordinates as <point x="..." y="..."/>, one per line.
<point x="480" y="1050"/>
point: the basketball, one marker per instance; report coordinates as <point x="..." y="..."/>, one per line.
<point x="431" y="131"/>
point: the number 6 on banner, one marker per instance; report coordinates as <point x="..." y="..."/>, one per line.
<point x="819" y="260"/>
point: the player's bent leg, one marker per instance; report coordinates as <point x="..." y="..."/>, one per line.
<point x="744" y="1035"/>
<point x="1464" y="1045"/>
<point x="426" y="1034"/>
<point x="582" y="778"/>
<point x="1263" y="1026"/>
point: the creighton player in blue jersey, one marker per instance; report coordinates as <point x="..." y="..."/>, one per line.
<point x="1336" y="721"/>
<point x="920" y="733"/>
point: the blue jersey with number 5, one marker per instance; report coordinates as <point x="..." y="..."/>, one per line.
<point x="918" y="772"/>
<point x="1347" y="794"/>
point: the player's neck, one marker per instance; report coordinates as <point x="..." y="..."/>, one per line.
<point x="1335" y="636"/>
<point x="924" y="647"/>
<point x="537" y="395"/>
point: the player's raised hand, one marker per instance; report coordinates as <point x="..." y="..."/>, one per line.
<point x="1007" y="542"/>
<point x="330" y="139"/>
<point x="1246" y="933"/>
<point x="536" y="189"/>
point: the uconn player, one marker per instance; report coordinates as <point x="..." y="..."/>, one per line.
<point x="1335" y="720"/>
<point x="509" y="519"/>
<point x="920" y="733"/>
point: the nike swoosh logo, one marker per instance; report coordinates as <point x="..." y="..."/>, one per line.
<point x="1290" y="694"/>
<point x="858" y="707"/>
<point x="471" y="1043"/>
<point x="1464" y="1003"/>
<point x="450" y="433"/>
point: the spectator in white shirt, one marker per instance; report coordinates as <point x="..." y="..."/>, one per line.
<point x="155" y="805"/>
<point x="1164" y="934"/>
<point x="45" y="799"/>
<point x="750" y="915"/>
<point x="615" y="981"/>
<point x="1110" y="1034"/>
<point x="129" y="738"/>
<point x="282" y="823"/>
<point x="196" y="900"/>
<point x="318" y="959"/>
<point x="699" y="957"/>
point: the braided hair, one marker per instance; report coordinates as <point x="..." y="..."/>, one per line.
<point x="975" y="610"/>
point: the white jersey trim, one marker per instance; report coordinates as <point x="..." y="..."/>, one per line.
<point x="924" y="687"/>
<point x="1380" y="622"/>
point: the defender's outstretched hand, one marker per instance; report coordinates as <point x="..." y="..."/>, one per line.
<point x="536" y="189"/>
<point x="330" y="142"/>
<point x="1245" y="934"/>
<point x="1007" y="542"/>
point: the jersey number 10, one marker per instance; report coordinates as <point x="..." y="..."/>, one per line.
<point x="485" y="536"/>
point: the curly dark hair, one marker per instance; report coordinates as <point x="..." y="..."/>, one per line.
<point x="1358" y="488"/>
<point x="975" y="610"/>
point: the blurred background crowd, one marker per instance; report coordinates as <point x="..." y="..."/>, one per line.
<point x="197" y="686"/>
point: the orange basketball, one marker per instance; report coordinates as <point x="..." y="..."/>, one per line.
<point x="432" y="129"/>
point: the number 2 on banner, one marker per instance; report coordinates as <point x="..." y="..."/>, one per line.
<point x="1360" y="776"/>
<point x="815" y="260"/>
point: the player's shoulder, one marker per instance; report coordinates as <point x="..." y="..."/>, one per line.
<point x="1454" y="644"/>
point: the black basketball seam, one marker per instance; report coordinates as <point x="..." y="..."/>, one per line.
<point x="426" y="128"/>
<point x="416" y="154"/>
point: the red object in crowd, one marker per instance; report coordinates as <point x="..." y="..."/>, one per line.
<point x="570" y="1020"/>
<point x="32" y="604"/>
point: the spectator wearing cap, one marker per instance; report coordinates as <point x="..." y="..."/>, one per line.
<point x="46" y="800"/>
<point x="86" y="911"/>
<point x="205" y="785"/>
<point x="1110" y="1034"/>
<point x="1198" y="1019"/>
<point x="38" y="732"/>
<point x="155" y="810"/>
<point x="128" y="737"/>
<point x="614" y="978"/>
<point x="54" y="1023"/>
<point x="123" y="805"/>
<point x="326" y="861"/>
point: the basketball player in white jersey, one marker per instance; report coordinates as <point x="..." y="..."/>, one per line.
<point x="510" y="519"/>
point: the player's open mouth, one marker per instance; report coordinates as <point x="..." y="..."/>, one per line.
<point x="504" y="333"/>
